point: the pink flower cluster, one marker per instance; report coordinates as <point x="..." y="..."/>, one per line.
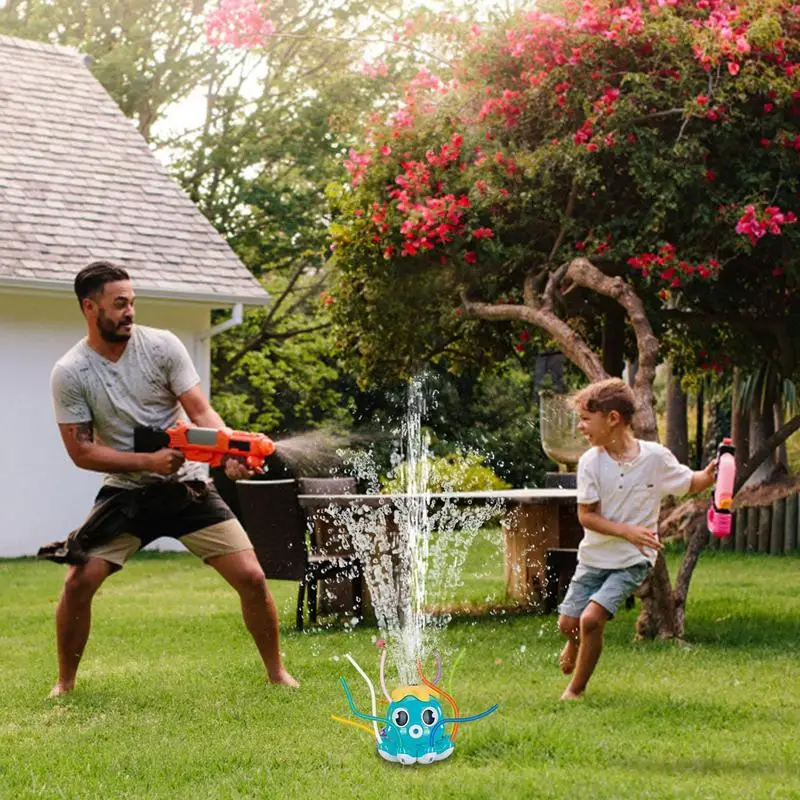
<point x="755" y="225"/>
<point x="241" y="23"/>
<point x="448" y="153"/>
<point x="505" y="107"/>
<point x="376" y="70"/>
<point x="357" y="165"/>
<point x="670" y="269"/>
<point x="433" y="222"/>
<point x="728" y="29"/>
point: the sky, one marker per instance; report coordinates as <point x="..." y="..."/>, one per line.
<point x="189" y="113"/>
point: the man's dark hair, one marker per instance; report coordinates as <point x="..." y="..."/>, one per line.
<point x="91" y="279"/>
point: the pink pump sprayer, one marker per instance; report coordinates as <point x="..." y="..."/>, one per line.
<point x="720" y="517"/>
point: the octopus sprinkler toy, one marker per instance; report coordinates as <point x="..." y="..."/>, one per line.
<point x="413" y="729"/>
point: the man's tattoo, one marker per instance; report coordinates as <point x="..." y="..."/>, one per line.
<point x="84" y="432"/>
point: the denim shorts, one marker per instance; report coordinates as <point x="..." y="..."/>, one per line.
<point x="606" y="587"/>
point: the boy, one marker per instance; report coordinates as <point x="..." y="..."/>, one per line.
<point x="621" y="480"/>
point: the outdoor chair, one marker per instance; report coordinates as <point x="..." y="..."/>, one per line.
<point x="276" y="525"/>
<point x="330" y="539"/>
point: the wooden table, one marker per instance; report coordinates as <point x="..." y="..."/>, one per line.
<point x="535" y="521"/>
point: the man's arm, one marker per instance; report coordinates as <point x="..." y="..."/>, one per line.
<point x="87" y="453"/>
<point x="199" y="410"/>
<point x="590" y="517"/>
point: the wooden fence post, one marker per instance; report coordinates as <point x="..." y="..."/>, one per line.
<point x="764" y="528"/>
<point x="752" y="529"/>
<point x="776" y="532"/>
<point x="727" y="542"/>
<point x="790" y="523"/>
<point x="741" y="530"/>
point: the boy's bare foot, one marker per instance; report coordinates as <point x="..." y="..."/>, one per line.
<point x="285" y="679"/>
<point x="568" y="657"/>
<point x="61" y="689"/>
<point x="570" y="695"/>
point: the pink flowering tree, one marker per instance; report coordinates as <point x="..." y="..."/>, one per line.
<point x="623" y="165"/>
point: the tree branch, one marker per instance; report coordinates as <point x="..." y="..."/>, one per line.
<point x="296" y="332"/>
<point x="766" y="449"/>
<point x="584" y="273"/>
<point x="574" y="347"/>
<point x="553" y="282"/>
<point x="573" y="194"/>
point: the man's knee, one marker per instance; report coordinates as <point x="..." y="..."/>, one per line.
<point x="251" y="581"/>
<point x="84" y="580"/>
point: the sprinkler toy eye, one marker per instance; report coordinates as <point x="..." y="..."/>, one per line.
<point x="400" y="718"/>
<point x="430" y="716"/>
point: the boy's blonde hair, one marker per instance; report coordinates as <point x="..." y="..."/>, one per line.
<point x="612" y="394"/>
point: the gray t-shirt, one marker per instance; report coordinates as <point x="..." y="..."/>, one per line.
<point x="142" y="388"/>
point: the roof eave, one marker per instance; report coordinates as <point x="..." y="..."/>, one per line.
<point x="217" y="299"/>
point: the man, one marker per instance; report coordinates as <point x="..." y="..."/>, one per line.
<point x="118" y="378"/>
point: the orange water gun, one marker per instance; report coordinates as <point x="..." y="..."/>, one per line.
<point x="207" y="445"/>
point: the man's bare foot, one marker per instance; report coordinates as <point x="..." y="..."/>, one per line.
<point x="568" y="657"/>
<point x="61" y="689"/>
<point x="285" y="679"/>
<point x="570" y="695"/>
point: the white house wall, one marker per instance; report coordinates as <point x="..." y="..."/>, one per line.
<point x="42" y="494"/>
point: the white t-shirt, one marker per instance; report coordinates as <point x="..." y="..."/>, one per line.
<point x="141" y="388"/>
<point x="628" y="492"/>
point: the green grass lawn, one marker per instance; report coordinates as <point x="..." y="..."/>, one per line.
<point x="171" y="702"/>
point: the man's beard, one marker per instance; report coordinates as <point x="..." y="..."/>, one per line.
<point x="112" y="331"/>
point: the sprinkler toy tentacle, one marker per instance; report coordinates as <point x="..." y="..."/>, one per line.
<point x="444" y="694"/>
<point x="358" y="713"/>
<point x="351" y="722"/>
<point x="371" y="693"/>
<point x="461" y="719"/>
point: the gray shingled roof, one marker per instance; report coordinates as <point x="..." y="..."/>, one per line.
<point x="78" y="182"/>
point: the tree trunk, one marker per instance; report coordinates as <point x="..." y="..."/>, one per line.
<point x="717" y="429"/>
<point x="698" y="431"/>
<point x="677" y="422"/>
<point x="698" y="538"/>
<point x="657" y="617"/>
<point x="614" y="341"/>
<point x="740" y="432"/>
<point x="762" y="426"/>
<point x="782" y="456"/>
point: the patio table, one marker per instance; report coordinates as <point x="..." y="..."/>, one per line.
<point x="535" y="520"/>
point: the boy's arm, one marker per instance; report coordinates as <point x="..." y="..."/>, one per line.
<point x="590" y="517"/>
<point x="703" y="478"/>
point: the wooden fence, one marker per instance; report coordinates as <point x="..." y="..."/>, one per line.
<point x="771" y="529"/>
